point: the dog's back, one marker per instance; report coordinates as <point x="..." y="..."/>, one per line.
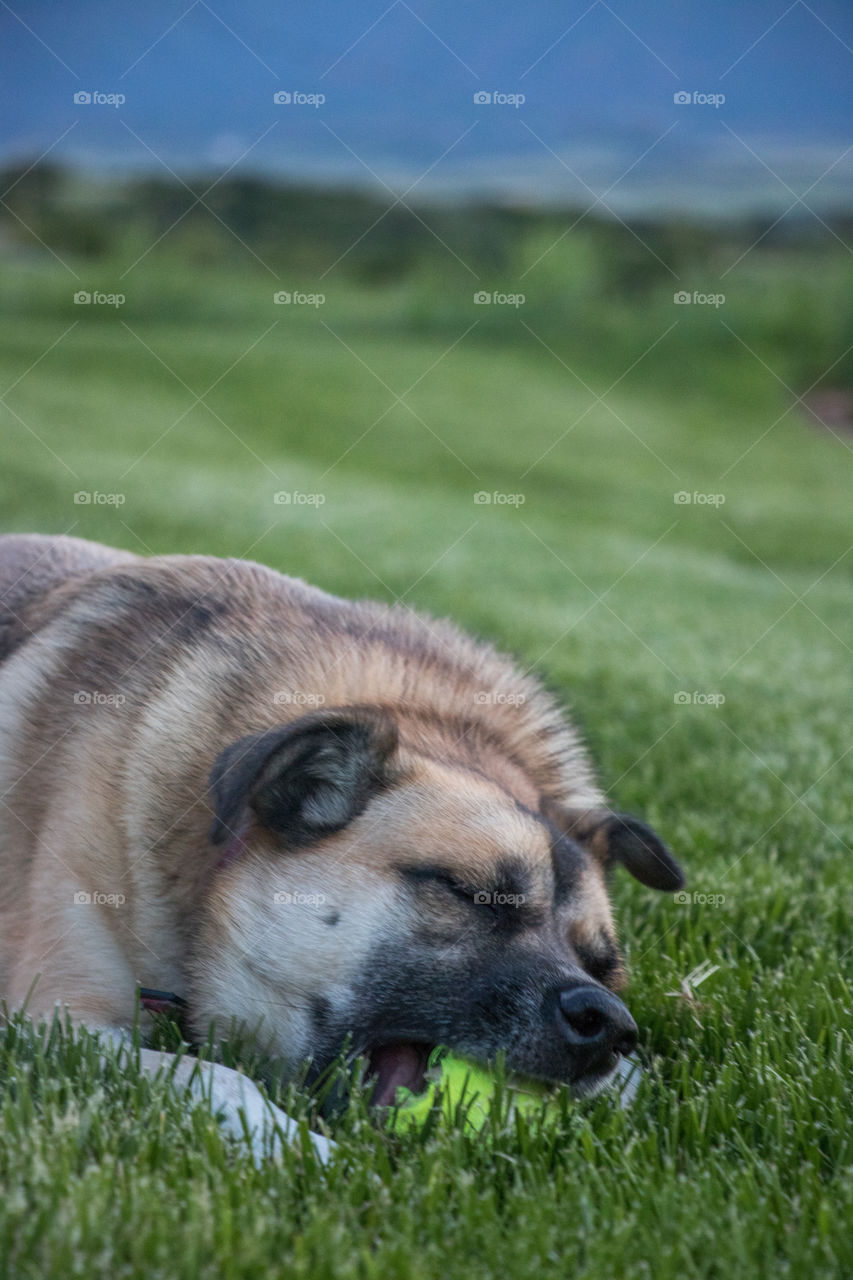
<point x="187" y="743"/>
<point x="31" y="566"/>
<point x="116" y="612"/>
<point x="123" y="678"/>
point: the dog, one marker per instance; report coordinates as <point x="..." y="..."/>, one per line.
<point x="330" y="822"/>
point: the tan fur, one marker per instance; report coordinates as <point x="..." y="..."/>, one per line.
<point x="176" y="658"/>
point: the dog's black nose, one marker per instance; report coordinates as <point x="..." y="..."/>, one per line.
<point x="594" y="1019"/>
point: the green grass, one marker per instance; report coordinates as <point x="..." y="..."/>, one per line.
<point x="737" y="1157"/>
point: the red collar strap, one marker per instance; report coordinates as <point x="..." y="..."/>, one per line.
<point x="161" y="1001"/>
<point x="155" y="1001"/>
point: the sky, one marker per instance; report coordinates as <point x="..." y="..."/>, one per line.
<point x="532" y="104"/>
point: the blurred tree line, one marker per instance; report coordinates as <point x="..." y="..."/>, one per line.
<point x="602" y="283"/>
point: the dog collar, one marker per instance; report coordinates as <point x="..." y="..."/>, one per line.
<point x="161" y="1001"/>
<point x="167" y="1002"/>
<point x="151" y="998"/>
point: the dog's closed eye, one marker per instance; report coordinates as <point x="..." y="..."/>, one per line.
<point x="504" y="899"/>
<point x="447" y="880"/>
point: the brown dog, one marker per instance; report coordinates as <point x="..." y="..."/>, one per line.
<point x="327" y="821"/>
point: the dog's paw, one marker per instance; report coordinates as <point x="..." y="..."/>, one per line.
<point x="265" y="1128"/>
<point x="243" y="1112"/>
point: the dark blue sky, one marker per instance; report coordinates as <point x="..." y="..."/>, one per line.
<point x="399" y="84"/>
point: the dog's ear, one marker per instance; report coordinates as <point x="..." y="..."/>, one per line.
<point x="617" y="837"/>
<point x="641" y="850"/>
<point x="306" y="779"/>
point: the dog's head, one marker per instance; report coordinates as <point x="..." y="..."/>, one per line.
<point x="378" y="895"/>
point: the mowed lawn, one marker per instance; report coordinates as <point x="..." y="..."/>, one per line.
<point x="705" y="649"/>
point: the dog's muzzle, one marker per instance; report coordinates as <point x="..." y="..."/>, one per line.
<point x="597" y="1027"/>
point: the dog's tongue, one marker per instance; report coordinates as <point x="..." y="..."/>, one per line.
<point x="395" y="1066"/>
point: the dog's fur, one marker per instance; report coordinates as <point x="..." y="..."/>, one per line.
<point x="318" y="818"/>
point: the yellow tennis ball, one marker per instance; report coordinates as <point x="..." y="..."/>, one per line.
<point x="465" y="1089"/>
